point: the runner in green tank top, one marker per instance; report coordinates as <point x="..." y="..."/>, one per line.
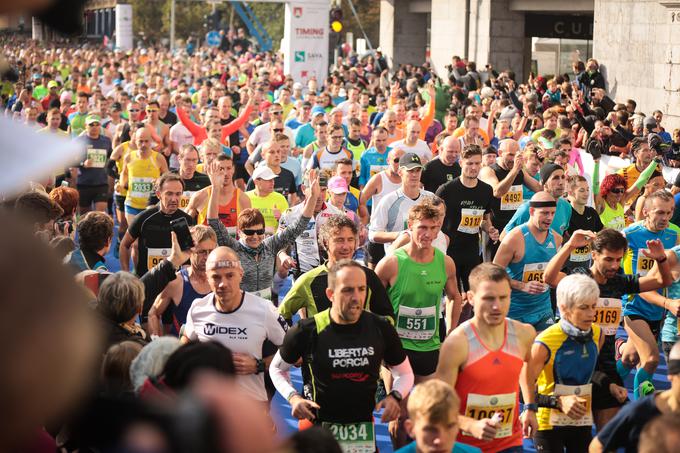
<point x="415" y="278"/>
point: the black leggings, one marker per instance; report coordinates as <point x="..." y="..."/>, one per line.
<point x="569" y="439"/>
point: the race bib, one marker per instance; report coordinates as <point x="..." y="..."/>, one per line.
<point x="558" y="418"/>
<point x="416" y="323"/>
<point x="141" y="187"/>
<point x="533" y="272"/>
<point x="97" y="157"/>
<point x="184" y="199"/>
<point x="479" y="407"/>
<point x="353" y="437"/>
<point x="608" y="314"/>
<point x="155" y="256"/>
<point x="375" y="169"/>
<point x="644" y="264"/>
<point x="512" y="200"/>
<point x="580" y="255"/>
<point x="470" y="219"/>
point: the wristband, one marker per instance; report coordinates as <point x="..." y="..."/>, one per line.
<point x="260" y="366"/>
<point x="663" y="260"/>
<point x="531" y="407"/>
<point x="291" y="395"/>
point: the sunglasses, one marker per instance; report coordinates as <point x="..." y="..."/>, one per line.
<point x="151" y="110"/>
<point x="249" y="232"/>
<point x="133" y="110"/>
<point x="618" y="191"/>
<point x="93" y="124"/>
<point x="276" y="113"/>
<point x="277" y="130"/>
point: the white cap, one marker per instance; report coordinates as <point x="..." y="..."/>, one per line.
<point x="263" y="172"/>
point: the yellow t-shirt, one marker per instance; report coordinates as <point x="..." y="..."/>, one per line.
<point x="271" y="207"/>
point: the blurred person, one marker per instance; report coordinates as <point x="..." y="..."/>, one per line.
<point x="115" y="369"/>
<point x="150" y="361"/>
<point x="38" y="211"/>
<point x="119" y="304"/>
<point x="95" y="234"/>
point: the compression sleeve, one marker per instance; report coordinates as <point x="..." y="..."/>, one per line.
<point x="645" y="175"/>
<point x="596" y="178"/>
<point x="403" y="377"/>
<point x="279" y="371"/>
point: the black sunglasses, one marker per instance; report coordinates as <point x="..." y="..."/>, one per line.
<point x="249" y="232"/>
<point x="277" y="130"/>
<point x="618" y="191"/>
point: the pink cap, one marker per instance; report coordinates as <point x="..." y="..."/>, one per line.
<point x="337" y="184"/>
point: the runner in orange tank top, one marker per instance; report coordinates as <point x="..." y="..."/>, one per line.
<point x="482" y="360"/>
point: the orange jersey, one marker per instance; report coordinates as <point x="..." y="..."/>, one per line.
<point x="488" y="384"/>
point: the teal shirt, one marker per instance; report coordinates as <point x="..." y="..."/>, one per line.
<point x="559" y="224"/>
<point x="457" y="448"/>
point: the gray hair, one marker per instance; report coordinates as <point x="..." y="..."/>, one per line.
<point x="120" y="297"/>
<point x="575" y="289"/>
<point x="151" y="360"/>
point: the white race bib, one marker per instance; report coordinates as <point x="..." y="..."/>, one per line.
<point x="533" y="272"/>
<point x="353" y="437"/>
<point x="580" y="255"/>
<point x="97" y="157"/>
<point x="140" y="187"/>
<point x="416" y="323"/>
<point x="558" y="418"/>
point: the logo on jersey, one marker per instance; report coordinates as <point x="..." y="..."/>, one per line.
<point x="213" y="329"/>
<point x="282" y="323"/>
<point x="350" y="357"/>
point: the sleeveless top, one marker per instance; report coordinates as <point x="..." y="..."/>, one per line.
<point x="613" y="218"/>
<point x="189" y="294"/>
<point x="525" y="307"/>
<point x="416" y="298"/>
<point x="228" y="213"/>
<point x="387" y="187"/>
<point x="482" y="393"/>
<point x="142" y="174"/>
<point x="504" y="208"/>
<point x="119" y="165"/>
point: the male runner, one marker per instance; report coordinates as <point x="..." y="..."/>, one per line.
<point x="415" y="276"/>
<point x="232" y="200"/>
<point x="192" y="179"/>
<point x="341" y="349"/>
<point x="239" y="320"/>
<point x="583" y="217"/>
<point x="151" y="228"/>
<point x="444" y="167"/>
<point x="412" y="142"/>
<point x="191" y="284"/>
<point x="525" y="252"/>
<point x="90" y="177"/>
<point x="482" y="359"/>
<point x="374" y="159"/>
<point x="338" y="236"/>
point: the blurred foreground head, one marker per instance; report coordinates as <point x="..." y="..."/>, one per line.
<point x="47" y="334"/>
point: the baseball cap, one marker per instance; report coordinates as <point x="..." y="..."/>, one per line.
<point x="297" y="86"/>
<point x="649" y="122"/>
<point x="263" y="172"/>
<point x="545" y="143"/>
<point x="52" y="84"/>
<point x="139" y="97"/>
<point x="92" y="119"/>
<point x="410" y="161"/>
<point x="116" y="107"/>
<point x="318" y="110"/>
<point x="337" y="184"/>
<point x="265" y="105"/>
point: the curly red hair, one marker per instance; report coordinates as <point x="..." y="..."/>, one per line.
<point x="611" y="181"/>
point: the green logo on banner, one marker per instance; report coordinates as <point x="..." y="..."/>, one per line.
<point x="299" y="56"/>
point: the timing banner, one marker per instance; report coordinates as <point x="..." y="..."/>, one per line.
<point x="305" y="41"/>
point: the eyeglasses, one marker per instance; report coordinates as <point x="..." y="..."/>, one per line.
<point x="133" y="110"/>
<point x="278" y="130"/>
<point x="93" y="124"/>
<point x="249" y="232"/>
<point x="151" y="110"/>
<point x="620" y="190"/>
<point x="279" y="112"/>
<point x="337" y="137"/>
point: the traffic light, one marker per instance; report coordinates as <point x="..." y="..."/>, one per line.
<point x="336" y="20"/>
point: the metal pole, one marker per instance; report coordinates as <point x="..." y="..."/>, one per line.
<point x="172" y="25"/>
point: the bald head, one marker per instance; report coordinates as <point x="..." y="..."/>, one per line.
<point x="508" y="145"/>
<point x="223" y="258"/>
<point x="450" y="150"/>
<point x="542" y="210"/>
<point x="143" y="139"/>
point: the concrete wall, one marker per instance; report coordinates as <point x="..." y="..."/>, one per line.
<point x="448" y="32"/>
<point x="407" y="39"/>
<point x="638" y="43"/>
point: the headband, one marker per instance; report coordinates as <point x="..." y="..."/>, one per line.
<point x="222" y="264"/>
<point x="674" y="366"/>
<point x="542" y="204"/>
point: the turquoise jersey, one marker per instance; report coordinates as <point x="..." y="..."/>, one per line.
<point x="528" y="193"/>
<point x="304" y="135"/>
<point x="560" y="222"/>
<point x="525" y="307"/>
<point x="635" y="262"/>
<point x="372" y="162"/>
<point x="669" y="332"/>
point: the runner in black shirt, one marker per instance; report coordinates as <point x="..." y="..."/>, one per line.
<point x="444" y="167"/>
<point x="341" y="350"/>
<point x="193" y="181"/>
<point x="608" y="248"/>
<point x="468" y="204"/>
<point x="151" y="228"/>
<point x="582" y="218"/>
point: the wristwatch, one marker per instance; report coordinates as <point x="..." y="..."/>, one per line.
<point x="531" y="407"/>
<point x="396" y="395"/>
<point x="260" y="366"/>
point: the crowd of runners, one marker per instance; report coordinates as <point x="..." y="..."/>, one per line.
<point x="481" y="259"/>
